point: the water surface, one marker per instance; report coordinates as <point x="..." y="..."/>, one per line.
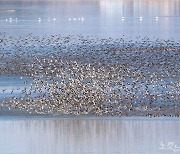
<point x="88" y="135"/>
<point x="104" y="18"/>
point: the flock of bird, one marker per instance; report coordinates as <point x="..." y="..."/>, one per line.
<point x="78" y="75"/>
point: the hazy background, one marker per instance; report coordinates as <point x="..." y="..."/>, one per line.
<point x="160" y="18"/>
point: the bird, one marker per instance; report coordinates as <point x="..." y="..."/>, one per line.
<point x="85" y="75"/>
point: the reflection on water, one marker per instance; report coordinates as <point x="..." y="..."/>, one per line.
<point x="100" y="17"/>
<point x="87" y="135"/>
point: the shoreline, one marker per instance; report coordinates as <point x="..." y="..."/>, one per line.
<point x="46" y="117"/>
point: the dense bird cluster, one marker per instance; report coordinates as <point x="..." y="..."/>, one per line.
<point x="77" y="75"/>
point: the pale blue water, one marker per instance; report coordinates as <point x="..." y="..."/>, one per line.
<point x="89" y="135"/>
<point x="104" y="18"/>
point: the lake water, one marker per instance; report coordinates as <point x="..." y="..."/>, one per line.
<point x="104" y="18"/>
<point x="89" y="135"/>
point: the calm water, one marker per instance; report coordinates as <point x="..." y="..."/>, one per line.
<point x="55" y="136"/>
<point x="104" y="18"/>
<point x="160" y="18"/>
